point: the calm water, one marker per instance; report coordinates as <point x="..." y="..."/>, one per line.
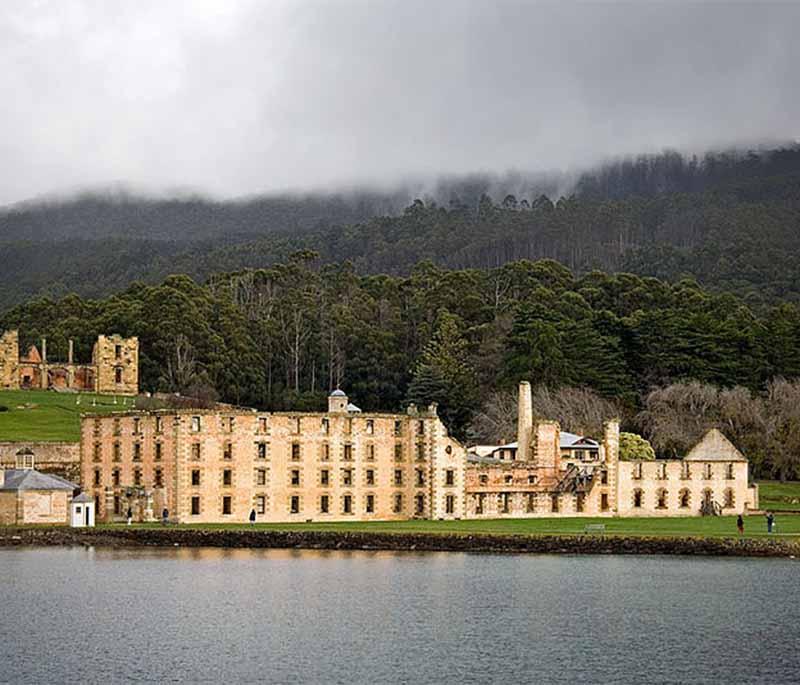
<point x="218" y="615"/>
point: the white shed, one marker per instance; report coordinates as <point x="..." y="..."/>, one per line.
<point x="82" y="511"/>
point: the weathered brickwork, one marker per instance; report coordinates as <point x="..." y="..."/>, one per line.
<point x="218" y="466"/>
<point x="58" y="458"/>
<point x="114" y="368"/>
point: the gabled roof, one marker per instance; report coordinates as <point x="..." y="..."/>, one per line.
<point x="571" y="440"/>
<point x="82" y="498"/>
<point x="30" y="479"/>
<point x="714" y="447"/>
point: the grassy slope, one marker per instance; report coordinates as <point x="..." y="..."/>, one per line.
<point x="715" y="526"/>
<point x="773" y="494"/>
<point x="46" y="416"/>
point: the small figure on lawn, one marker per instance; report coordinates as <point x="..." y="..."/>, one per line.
<point x="164" y="516"/>
<point x="770" y="522"/>
<point x="130" y="515"/>
<point x="740" y="524"/>
<point x="252" y="516"/>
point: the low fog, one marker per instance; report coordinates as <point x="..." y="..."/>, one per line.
<point x="238" y="98"/>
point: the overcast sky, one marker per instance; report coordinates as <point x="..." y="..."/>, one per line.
<point x="235" y="98"/>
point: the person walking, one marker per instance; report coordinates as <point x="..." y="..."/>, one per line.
<point x="164" y="516"/>
<point x="252" y="516"/>
<point x="130" y="515"/>
<point x="770" y="522"/>
<point x="740" y="524"/>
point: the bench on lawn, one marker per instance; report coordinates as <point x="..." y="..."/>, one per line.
<point x="595" y="528"/>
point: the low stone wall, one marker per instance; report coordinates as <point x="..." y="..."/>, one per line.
<point x="581" y="544"/>
<point x="59" y="458"/>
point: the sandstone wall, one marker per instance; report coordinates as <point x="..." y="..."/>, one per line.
<point x="117" y="362"/>
<point x="9" y="361"/>
<point x="59" y="458"/>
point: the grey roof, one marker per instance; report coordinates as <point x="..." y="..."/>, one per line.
<point x="473" y="458"/>
<point x="30" y="479"/>
<point x="353" y="408"/>
<point x="338" y="393"/>
<point x="83" y="497"/>
<point x="569" y="439"/>
<point x="714" y="447"/>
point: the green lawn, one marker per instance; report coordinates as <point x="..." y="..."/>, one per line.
<point x="48" y="416"/>
<point x="711" y="526"/>
<point x="777" y="496"/>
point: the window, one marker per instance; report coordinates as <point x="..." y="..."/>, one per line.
<point x="594" y="455"/>
<point x="195" y="506"/>
<point x="483" y="479"/>
<point x="370" y="452"/>
<point x="398" y="477"/>
<point x="579" y="500"/>
<point x="509" y="480"/>
<point x="226" y="505"/>
<point x="531" y="479"/>
<point x="604" y="502"/>
<point x="261" y="476"/>
<point x="326" y="426"/>
<point x="420" y="451"/>
<point x="326" y="452"/>
<point x="729" y="472"/>
<point x="295" y="477"/>
<point x="295" y="451"/>
<point x="637" y="499"/>
<point x="370" y="427"/>
<point x="227" y="451"/>
<point x="195" y="424"/>
<point x="96" y="452"/>
<point x="479" y="503"/>
<point x="117" y="430"/>
<point x="398" y="451"/>
<point x="159" y="424"/>
<point x="637" y="471"/>
<point x="324" y="504"/>
<point x="707" y="472"/>
<point x="505" y="502"/>
<point x="348" y="426"/>
<point x="261" y="450"/>
<point x="347" y="504"/>
<point x="261" y="504"/>
<point x="227" y="477"/>
<point x="604" y="477"/>
<point x="137" y="477"/>
<point x="729" y="498"/>
<point x="347" y="477"/>
<point x="115" y="477"/>
<point x="195" y="477"/>
<point x="117" y="505"/>
<point x="348" y="452"/>
<point x="661" y="499"/>
<point x="117" y="452"/>
<point x="118" y="375"/>
<point x="554" y="503"/>
<point x="662" y="471"/>
<point x="117" y="351"/>
<point x="98" y="475"/>
<point x="97" y="426"/>
<point x="262" y="424"/>
<point x="684" y="498"/>
<point x="136" y="425"/>
<point x="686" y="473"/>
<point x="420" y="427"/>
<point x="158" y="480"/>
<point x="398" y="427"/>
<point x="297" y="425"/>
<point x="419" y="505"/>
<point x="450" y="477"/>
<point x="420" y="478"/>
<point x="158" y="450"/>
<point x="370" y="477"/>
<point x="324" y="477"/>
<point x="137" y="451"/>
<point x="294" y="504"/>
<point x="397" y="506"/>
<point x="228" y="423"/>
<point x="531" y="503"/>
<point x="450" y="504"/>
<point x="370" y="504"/>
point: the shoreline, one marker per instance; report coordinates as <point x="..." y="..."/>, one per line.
<point x="399" y="542"/>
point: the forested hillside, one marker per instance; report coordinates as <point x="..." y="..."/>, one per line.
<point x="284" y="336"/>
<point x="732" y="221"/>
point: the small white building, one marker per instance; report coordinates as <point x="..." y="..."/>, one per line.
<point x="82" y="511"/>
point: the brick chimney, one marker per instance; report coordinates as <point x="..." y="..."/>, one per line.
<point x="524" y="421"/>
<point x="547" y="449"/>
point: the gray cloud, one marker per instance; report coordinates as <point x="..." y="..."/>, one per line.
<point x="243" y="97"/>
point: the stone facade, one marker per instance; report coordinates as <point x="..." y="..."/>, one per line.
<point x="217" y="466"/>
<point x="114" y="368"/>
<point x="542" y="478"/>
<point x="58" y="458"/>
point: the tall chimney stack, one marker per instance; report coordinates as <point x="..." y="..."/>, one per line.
<point x="44" y="349"/>
<point x="71" y="350"/>
<point x="524" y="421"/>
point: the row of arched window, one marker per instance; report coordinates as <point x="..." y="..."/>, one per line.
<point x="684" y="498"/>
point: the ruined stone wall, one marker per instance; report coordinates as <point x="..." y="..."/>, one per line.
<point x="9" y="360"/>
<point x="8" y="508"/>
<point x="44" y="506"/>
<point x="117" y="362"/>
<point x="227" y="461"/>
<point x="651" y="478"/>
<point x="59" y="458"/>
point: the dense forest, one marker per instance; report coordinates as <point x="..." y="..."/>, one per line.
<point x="284" y="336"/>
<point x="729" y="220"/>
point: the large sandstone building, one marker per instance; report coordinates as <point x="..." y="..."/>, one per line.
<point x="114" y="368"/>
<point x="218" y="466"/>
<point x="547" y="472"/>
